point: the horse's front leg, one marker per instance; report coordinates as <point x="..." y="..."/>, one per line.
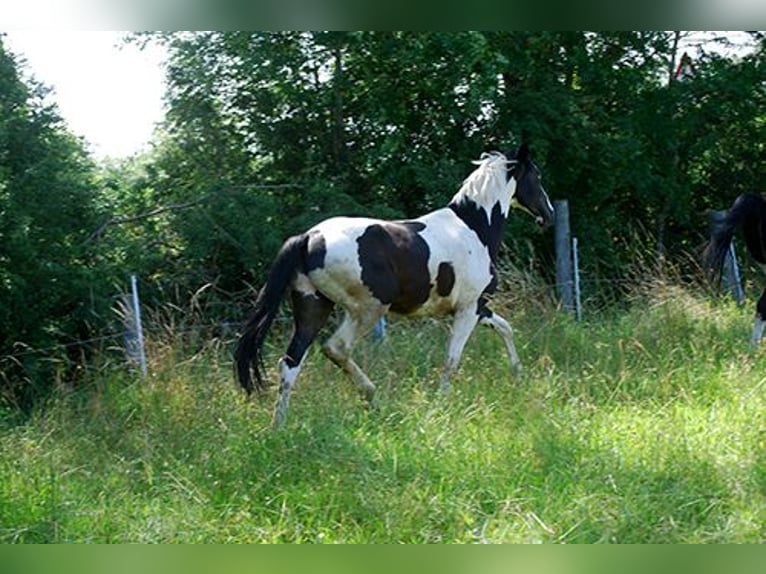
<point x="760" y="321"/>
<point x="502" y="326"/>
<point x="462" y="327"/>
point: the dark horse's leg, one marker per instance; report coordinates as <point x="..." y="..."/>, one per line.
<point x="760" y="319"/>
<point x="310" y="313"/>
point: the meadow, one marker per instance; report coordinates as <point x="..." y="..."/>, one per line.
<point x="643" y="423"/>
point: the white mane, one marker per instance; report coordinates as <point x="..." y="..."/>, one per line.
<point x="489" y="183"/>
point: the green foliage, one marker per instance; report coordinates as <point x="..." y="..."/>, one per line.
<point x="53" y="281"/>
<point x="643" y="424"/>
<point x="639" y="426"/>
<point x="269" y="132"/>
<point x="386" y="123"/>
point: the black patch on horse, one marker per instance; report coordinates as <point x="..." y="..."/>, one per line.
<point x="394" y="261"/>
<point x="310" y="312"/>
<point x="488" y="227"/>
<point x="482" y="309"/>
<point x="445" y="279"/>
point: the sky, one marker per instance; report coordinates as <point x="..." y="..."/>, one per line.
<point x="107" y="92"/>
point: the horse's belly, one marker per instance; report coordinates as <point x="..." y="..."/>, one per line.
<point x="435" y="306"/>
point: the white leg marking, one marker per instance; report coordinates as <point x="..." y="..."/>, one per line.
<point x="502" y="326"/>
<point x="462" y="327"/>
<point x="288" y="376"/>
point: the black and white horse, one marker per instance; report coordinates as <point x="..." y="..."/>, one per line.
<point x="442" y="263"/>
<point x="748" y="212"/>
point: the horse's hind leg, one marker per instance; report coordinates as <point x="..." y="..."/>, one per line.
<point x="338" y="347"/>
<point x="310" y="313"/>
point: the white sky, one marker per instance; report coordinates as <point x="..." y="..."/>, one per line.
<point x="107" y="92"/>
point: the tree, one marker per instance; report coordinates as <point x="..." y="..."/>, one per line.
<point x="52" y="281"/>
<point x="279" y="130"/>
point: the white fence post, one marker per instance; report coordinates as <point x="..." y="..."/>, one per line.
<point x="135" y="334"/>
<point x="576" y="264"/>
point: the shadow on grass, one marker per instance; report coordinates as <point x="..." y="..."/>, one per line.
<point x="603" y="495"/>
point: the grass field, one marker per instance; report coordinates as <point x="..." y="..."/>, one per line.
<point x="641" y="425"/>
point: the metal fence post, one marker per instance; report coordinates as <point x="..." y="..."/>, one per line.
<point x="564" y="285"/>
<point x="733" y="279"/>
<point x="576" y="264"/>
<point x="137" y="334"/>
<point x="730" y="271"/>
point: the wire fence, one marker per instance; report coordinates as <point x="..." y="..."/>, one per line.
<point x="174" y="321"/>
<point x="566" y="293"/>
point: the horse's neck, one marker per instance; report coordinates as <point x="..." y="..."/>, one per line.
<point x="749" y="211"/>
<point x="488" y="224"/>
<point x="482" y="204"/>
<point x="754" y="230"/>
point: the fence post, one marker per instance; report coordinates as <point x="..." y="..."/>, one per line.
<point x="576" y="264"/>
<point x="731" y="274"/>
<point x="379" y="332"/>
<point x="564" y="286"/>
<point x="134" y="336"/>
<point x="733" y="278"/>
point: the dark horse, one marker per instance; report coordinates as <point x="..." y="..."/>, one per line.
<point x="442" y="263"/>
<point x="748" y="212"/>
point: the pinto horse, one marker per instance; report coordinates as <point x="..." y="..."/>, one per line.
<point x="748" y="212"/>
<point x="442" y="263"/>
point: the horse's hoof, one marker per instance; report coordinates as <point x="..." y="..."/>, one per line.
<point x="368" y="393"/>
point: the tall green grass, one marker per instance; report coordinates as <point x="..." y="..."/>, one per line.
<point x="641" y="425"/>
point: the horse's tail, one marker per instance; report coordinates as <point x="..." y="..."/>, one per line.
<point x="249" y="353"/>
<point x="723" y="231"/>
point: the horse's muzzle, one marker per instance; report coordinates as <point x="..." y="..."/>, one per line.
<point x="545" y="222"/>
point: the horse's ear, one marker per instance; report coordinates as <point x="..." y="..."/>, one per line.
<point x="508" y="151"/>
<point x="522" y="154"/>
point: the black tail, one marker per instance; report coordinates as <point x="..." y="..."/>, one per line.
<point x="249" y="356"/>
<point x="723" y="231"/>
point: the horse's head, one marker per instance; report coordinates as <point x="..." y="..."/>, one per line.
<point x="530" y="194"/>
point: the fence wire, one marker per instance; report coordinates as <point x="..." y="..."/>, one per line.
<point x="227" y="328"/>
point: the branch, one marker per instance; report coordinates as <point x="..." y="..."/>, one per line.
<point x="150" y="213"/>
<point x="172" y="207"/>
